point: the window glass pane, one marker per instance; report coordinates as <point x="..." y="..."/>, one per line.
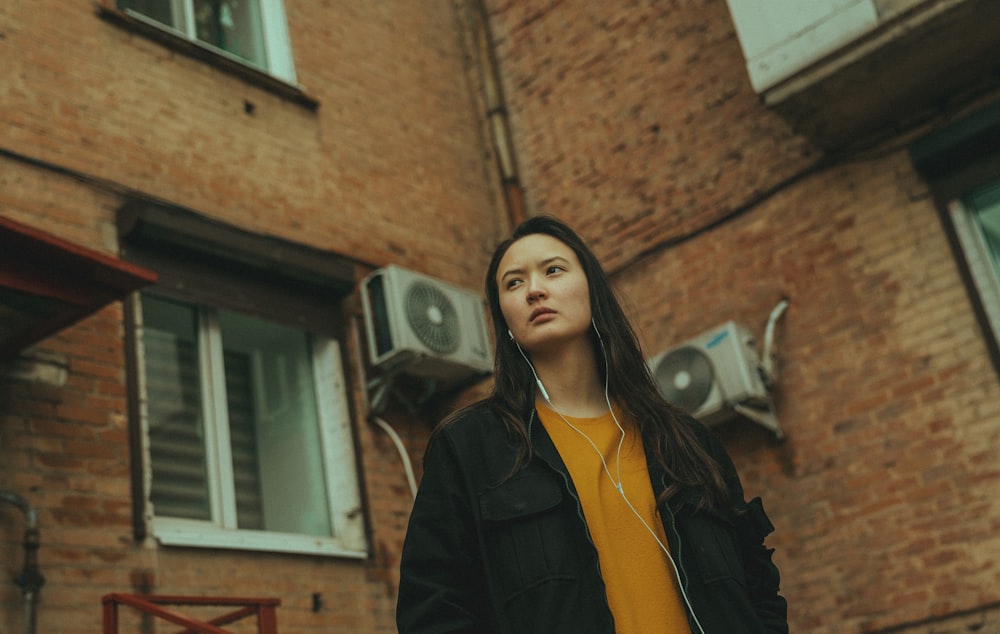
<point x="243" y="439"/>
<point x="986" y="206"/>
<point x="232" y="25"/>
<point x="173" y="391"/>
<point x="274" y="427"/>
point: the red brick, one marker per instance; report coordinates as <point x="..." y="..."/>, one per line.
<point x="624" y="125"/>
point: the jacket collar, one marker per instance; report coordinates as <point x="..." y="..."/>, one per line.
<point x="542" y="445"/>
<point x="658" y="478"/>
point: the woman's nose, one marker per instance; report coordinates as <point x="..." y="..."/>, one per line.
<point x="536" y="289"/>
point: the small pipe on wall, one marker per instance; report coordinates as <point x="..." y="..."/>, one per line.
<point x="496" y="111"/>
<point x="30" y="580"/>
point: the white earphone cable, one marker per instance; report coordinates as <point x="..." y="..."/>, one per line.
<point x="618" y="454"/>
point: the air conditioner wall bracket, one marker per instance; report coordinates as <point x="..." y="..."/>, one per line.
<point x="764" y="417"/>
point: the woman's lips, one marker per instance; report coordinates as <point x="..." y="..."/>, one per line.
<point x="541" y="313"/>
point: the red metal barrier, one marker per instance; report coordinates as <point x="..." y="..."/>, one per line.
<point x="263" y="609"/>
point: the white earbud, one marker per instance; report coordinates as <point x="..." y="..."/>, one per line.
<point x="538" y="381"/>
<point x="545" y="394"/>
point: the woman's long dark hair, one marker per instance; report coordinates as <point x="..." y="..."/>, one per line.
<point x="630" y="384"/>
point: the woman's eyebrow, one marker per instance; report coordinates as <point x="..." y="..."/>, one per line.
<point x="513" y="271"/>
<point x="554" y="258"/>
<point x="520" y="271"/>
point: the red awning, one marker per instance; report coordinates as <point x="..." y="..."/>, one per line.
<point x="47" y="284"/>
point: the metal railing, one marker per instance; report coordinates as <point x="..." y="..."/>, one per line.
<point x="262" y="609"/>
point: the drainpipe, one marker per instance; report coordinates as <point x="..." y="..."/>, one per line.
<point x="496" y="111"/>
<point x="30" y="580"/>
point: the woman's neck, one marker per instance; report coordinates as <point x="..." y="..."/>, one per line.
<point x="572" y="381"/>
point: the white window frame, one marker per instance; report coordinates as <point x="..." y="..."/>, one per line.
<point x="277" y="42"/>
<point x="977" y="257"/>
<point x="336" y="446"/>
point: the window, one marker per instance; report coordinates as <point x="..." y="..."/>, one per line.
<point x="239" y="411"/>
<point x="976" y="219"/>
<point x="961" y="164"/>
<point x="251" y="31"/>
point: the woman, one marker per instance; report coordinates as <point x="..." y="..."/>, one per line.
<point x="575" y="499"/>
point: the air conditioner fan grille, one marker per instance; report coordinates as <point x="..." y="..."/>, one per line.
<point x="432" y="317"/>
<point x="685" y="377"/>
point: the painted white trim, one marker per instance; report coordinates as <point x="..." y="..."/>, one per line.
<point x="337" y="446"/>
<point x="181" y="532"/>
<point x="277" y="41"/>
<point x="184" y="9"/>
<point x="977" y="257"/>
<point x="220" y="453"/>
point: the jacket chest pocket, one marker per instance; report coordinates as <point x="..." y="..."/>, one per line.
<point x="531" y="531"/>
<point x="717" y="553"/>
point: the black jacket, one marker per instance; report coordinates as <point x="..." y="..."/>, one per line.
<point x="486" y="553"/>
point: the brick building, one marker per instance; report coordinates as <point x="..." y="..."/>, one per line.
<point x="234" y="177"/>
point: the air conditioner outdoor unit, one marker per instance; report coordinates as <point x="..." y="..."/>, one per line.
<point x="716" y="376"/>
<point x="424" y="327"/>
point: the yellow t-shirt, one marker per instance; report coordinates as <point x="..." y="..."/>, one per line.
<point x="641" y="586"/>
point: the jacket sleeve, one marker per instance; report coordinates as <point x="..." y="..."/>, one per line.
<point x="441" y="585"/>
<point x="762" y="575"/>
<point x="752" y="526"/>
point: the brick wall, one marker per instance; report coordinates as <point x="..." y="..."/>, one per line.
<point x="392" y="166"/>
<point x="636" y="117"/>
<point x="395" y="142"/>
<point x="886" y="395"/>
<point x="635" y="122"/>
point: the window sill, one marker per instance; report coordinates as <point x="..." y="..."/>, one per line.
<point x="207" y="54"/>
<point x="177" y="532"/>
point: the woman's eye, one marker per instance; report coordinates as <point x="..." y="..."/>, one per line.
<point x="554" y="269"/>
<point x="512" y="283"/>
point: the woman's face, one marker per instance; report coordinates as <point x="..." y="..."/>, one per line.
<point x="544" y="292"/>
